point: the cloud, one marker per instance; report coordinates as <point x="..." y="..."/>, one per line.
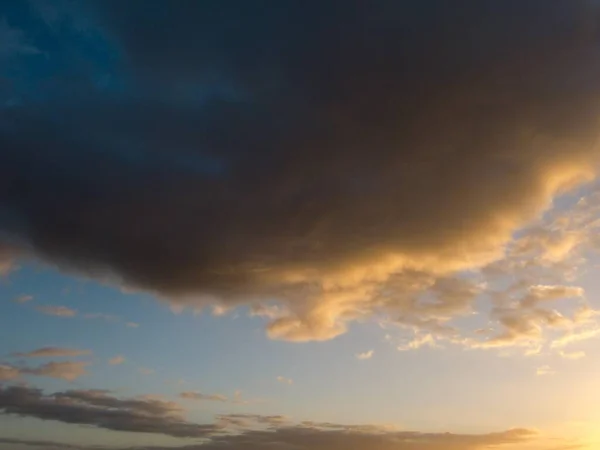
<point x="99" y="409"/>
<point x="48" y="352"/>
<point x="68" y="370"/>
<point x="146" y="371"/>
<point x="368" y="156"/>
<point x="132" y="325"/>
<point x="116" y="360"/>
<point x="285" y="380"/>
<point x="190" y="395"/>
<point x="148" y="414"/>
<point x="13" y="42"/>
<point x="365" y="355"/>
<point x="102" y="316"/>
<point x="544" y="370"/>
<point x="23" y="299"/>
<point x="8" y="373"/>
<point x="541" y="293"/>
<point x="59" y="311"/>
<point x="307" y="436"/>
<point x="572" y="355"/>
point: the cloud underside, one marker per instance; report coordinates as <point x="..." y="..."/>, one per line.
<point x="303" y="158"/>
<point x="239" y="431"/>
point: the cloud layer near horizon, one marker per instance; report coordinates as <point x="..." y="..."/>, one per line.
<point x="321" y="156"/>
<point x="240" y="431"/>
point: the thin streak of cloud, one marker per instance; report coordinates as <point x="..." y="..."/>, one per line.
<point x="48" y="352"/>
<point x="23" y="299"/>
<point x="285" y="380"/>
<point x="192" y="395"/>
<point x="116" y="360"/>
<point x="58" y="311"/>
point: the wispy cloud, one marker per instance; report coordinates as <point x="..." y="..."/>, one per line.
<point x="59" y="311"/>
<point x="132" y="325"/>
<point x="285" y="380"/>
<point x="146" y="371"/>
<point x="23" y="299"/>
<point x="192" y="395"/>
<point x="68" y="370"/>
<point x="365" y="355"/>
<point x="544" y="370"/>
<point x="116" y="360"/>
<point x="46" y="352"/>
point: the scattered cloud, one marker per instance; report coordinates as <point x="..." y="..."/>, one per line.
<point x="49" y="352"/>
<point x="572" y="355"/>
<point x="146" y="371"/>
<point x="365" y="355"/>
<point x="285" y="380"/>
<point x="544" y="370"/>
<point x="8" y="373"/>
<point x="191" y="395"/>
<point x="102" y="316"/>
<point x="132" y="325"/>
<point x="23" y="299"/>
<point x="59" y="311"/>
<point x="68" y="370"/>
<point x="116" y="360"/>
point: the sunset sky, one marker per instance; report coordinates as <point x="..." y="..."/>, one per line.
<point x="300" y="225"/>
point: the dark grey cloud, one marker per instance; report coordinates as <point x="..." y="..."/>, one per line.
<point x="295" y="150"/>
<point x="306" y="438"/>
<point x="232" y="431"/>
<point x="100" y="409"/>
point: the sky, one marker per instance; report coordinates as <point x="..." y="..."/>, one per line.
<point x="299" y="225"/>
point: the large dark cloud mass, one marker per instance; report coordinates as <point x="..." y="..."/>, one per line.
<point x="289" y="149"/>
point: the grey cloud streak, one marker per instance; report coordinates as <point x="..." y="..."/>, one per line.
<point x="236" y="431"/>
<point x="100" y="409"/>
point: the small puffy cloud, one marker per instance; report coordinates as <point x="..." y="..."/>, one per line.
<point x="116" y="360"/>
<point x="191" y="395"/>
<point x="23" y="299"/>
<point x="146" y="371"/>
<point x="365" y="355"/>
<point x="132" y="325"/>
<point x="544" y="370"/>
<point x="285" y="380"/>
<point x="59" y="311"/>
<point x="48" y="352"/>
